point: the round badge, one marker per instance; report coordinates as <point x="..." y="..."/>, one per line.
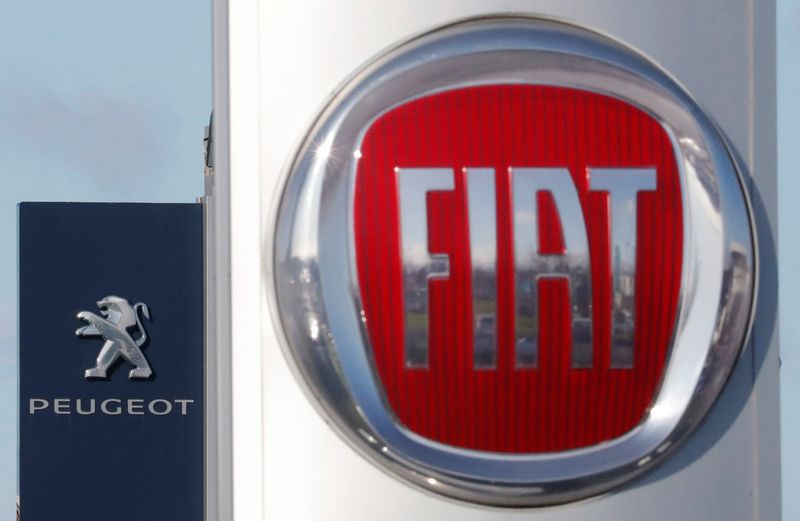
<point x="513" y="262"/>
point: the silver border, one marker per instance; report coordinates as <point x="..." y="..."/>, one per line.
<point x="316" y="301"/>
<point x="218" y="492"/>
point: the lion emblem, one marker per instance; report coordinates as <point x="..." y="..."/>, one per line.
<point x="118" y="317"/>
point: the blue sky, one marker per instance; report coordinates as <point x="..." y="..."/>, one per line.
<point x="99" y="101"/>
<point x="106" y="101"/>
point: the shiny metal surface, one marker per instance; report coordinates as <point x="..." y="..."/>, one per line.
<point x="623" y="185"/>
<point x="531" y="265"/>
<point x="482" y="214"/>
<point x="419" y="265"/>
<point x="117" y="317"/>
<point x="316" y="295"/>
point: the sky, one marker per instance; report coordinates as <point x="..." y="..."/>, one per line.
<point x="106" y="101"/>
<point x="99" y="101"/>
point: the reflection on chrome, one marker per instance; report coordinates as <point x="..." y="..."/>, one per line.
<point x="622" y="185"/>
<point x="702" y="164"/>
<point x="531" y="265"/>
<point x="313" y="329"/>
<point x="482" y="214"/>
<point x="324" y="149"/>
<point x="419" y="266"/>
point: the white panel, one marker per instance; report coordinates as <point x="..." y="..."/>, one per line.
<point x="285" y="59"/>
<point x="245" y="274"/>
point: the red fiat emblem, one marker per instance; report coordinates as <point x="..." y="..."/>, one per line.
<point x="513" y="262"/>
<point x="519" y="259"/>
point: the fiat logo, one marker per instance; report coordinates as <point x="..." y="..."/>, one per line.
<point x="513" y="262"/>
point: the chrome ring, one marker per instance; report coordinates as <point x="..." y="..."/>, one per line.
<point x="314" y="291"/>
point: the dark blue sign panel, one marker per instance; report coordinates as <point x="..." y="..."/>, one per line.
<point x="111" y="362"/>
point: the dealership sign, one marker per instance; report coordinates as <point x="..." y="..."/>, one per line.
<point x="513" y="262"/>
<point x="111" y="366"/>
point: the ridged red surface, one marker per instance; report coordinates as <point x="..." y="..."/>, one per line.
<point x="552" y="407"/>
